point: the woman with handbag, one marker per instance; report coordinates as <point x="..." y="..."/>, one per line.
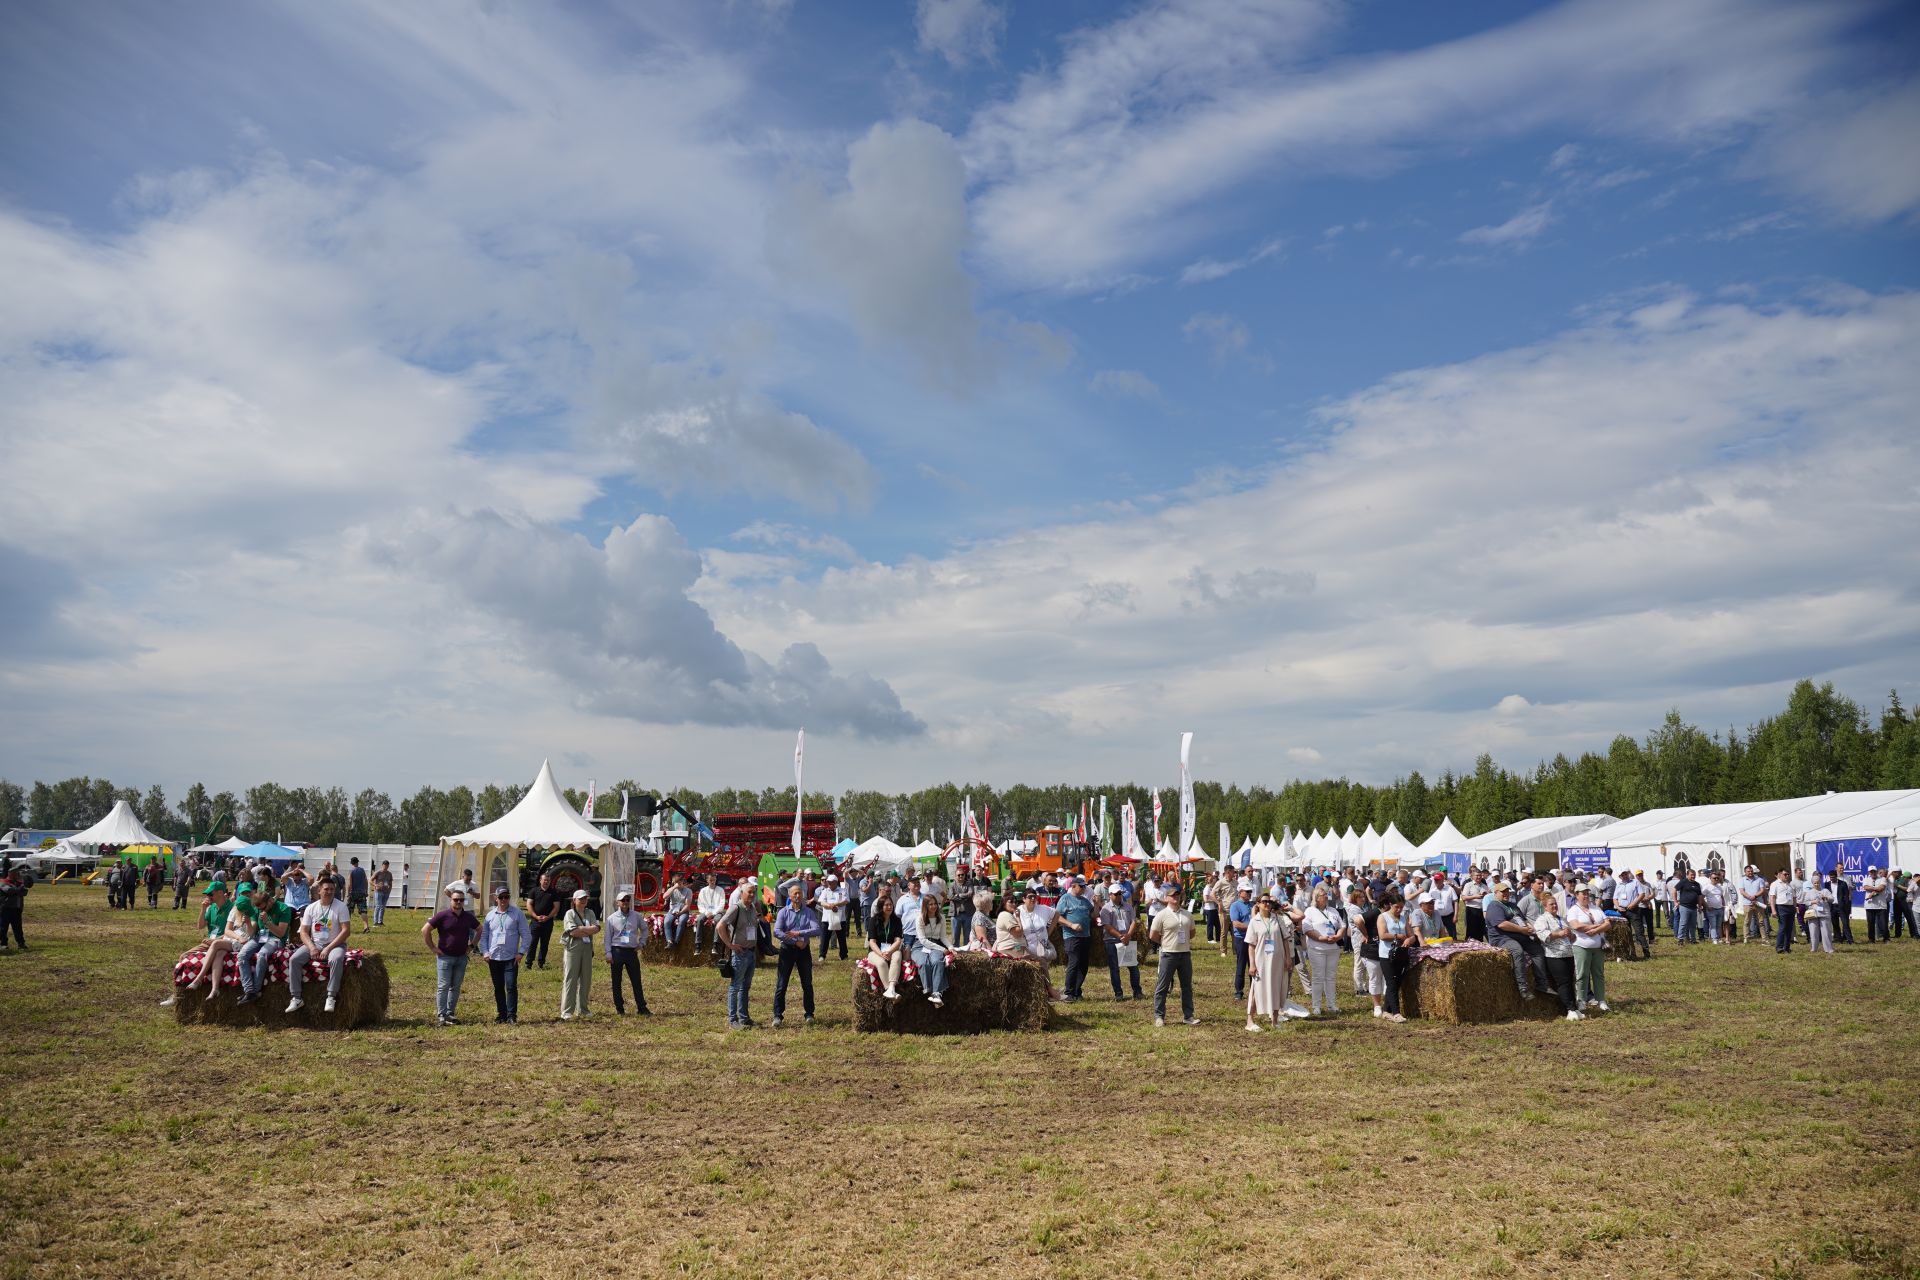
<point x="884" y="946"/>
<point x="1393" y="932"/>
<point x="1324" y="927"/>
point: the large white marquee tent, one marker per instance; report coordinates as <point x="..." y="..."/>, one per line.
<point x="120" y="828"/>
<point x="1769" y="834"/>
<point x="1532" y="844"/>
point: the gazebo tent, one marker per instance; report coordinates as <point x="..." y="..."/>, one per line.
<point x="1396" y="846"/>
<point x="1350" y="847"/>
<point x="1372" y="848"/>
<point x="277" y="856"/>
<point x="876" y="850"/>
<point x="1533" y="844"/>
<point x="542" y="820"/>
<point x="120" y="828"/>
<point x="232" y="844"/>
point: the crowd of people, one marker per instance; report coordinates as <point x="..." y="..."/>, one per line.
<point x="1289" y="933"/>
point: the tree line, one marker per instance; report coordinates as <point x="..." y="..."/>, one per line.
<point x="1820" y="742"/>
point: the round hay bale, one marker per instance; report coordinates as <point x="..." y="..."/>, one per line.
<point x="1472" y="987"/>
<point x="364" y="993"/>
<point x="984" y="993"/>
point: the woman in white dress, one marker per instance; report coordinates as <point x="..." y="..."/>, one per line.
<point x="1267" y="940"/>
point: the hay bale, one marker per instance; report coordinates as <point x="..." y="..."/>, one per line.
<point x="984" y="993"/>
<point x="1472" y="987"/>
<point x="1620" y="941"/>
<point x="364" y="993"/>
<point x="656" y="951"/>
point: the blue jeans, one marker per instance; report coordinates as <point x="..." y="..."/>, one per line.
<point x="253" y="962"/>
<point x="676" y="925"/>
<point x="1783" y="935"/>
<point x="742" y="986"/>
<point x="1685" y="924"/>
<point x="1712" y="917"/>
<point x="932" y="962"/>
<point x="380" y="906"/>
<point x="451" y="971"/>
<point x="506" y="989"/>
<point x="1239" y="966"/>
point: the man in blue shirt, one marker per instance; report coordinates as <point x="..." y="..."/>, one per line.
<point x="505" y="935"/>
<point x="907" y="907"/>
<point x="1075" y="914"/>
<point x="1237" y="917"/>
<point x="626" y="933"/>
<point x="795" y="928"/>
<point x="298" y="889"/>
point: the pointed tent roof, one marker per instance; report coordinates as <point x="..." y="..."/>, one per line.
<point x="1446" y="838"/>
<point x="232" y="844"/>
<point x="1266" y="854"/>
<point x="121" y="826"/>
<point x="1372" y="847"/>
<point x="1350" y="845"/>
<point x="1395" y="844"/>
<point x="876" y="849"/>
<point x="542" y="819"/>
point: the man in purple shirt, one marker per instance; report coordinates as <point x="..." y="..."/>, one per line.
<point x="457" y="929"/>
<point x="794" y="929"/>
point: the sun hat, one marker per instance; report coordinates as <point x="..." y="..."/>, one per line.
<point x="580" y="893"/>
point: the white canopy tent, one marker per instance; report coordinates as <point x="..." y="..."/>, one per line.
<point x="1350" y="847"/>
<point x="1372" y="847"/>
<point x="1891" y="831"/>
<point x="121" y="827"/>
<point x="542" y="820"/>
<point x="1446" y="839"/>
<point x="1396" y="846"/>
<point x="232" y="844"/>
<point x="1533" y="844"/>
<point x="879" y="850"/>
<point x="1266" y="856"/>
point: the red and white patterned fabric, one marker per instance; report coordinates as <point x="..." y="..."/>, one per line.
<point x="909" y="971"/>
<point x="190" y="966"/>
<point x="1441" y="952"/>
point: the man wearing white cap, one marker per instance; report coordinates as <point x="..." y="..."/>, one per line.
<point x="626" y="932"/>
<point x="577" y="929"/>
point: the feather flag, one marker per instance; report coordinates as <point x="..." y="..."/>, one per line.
<point x="1186" y="796"/>
<point x="592" y="789"/>
<point x="799" y="792"/>
<point x="1156" y="819"/>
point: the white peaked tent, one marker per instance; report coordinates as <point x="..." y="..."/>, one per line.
<point x="230" y="845"/>
<point x="1372" y="848"/>
<point x="120" y="827"/>
<point x="1350" y="846"/>
<point x="1396" y="846"/>
<point x="1266" y="855"/>
<point x="1322" y="848"/>
<point x="1445" y="839"/>
<point x="879" y="850"/>
<point x="542" y="820"/>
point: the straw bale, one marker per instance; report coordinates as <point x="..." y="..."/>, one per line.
<point x="1472" y="987"/>
<point x="984" y="993"/>
<point x="364" y="993"/>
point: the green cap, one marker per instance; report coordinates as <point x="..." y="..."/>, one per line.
<point x="245" y="886"/>
<point x="217" y="886"/>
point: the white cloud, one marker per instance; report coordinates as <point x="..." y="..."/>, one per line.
<point x="961" y="31"/>
<point x="1522" y="229"/>
<point x="1620" y="519"/>
<point x="1207" y="269"/>
<point x="1854" y="155"/>
<point x="1124" y="382"/>
<point x="1227" y="337"/>
<point x="1100" y="164"/>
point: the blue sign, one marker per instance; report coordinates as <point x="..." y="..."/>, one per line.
<point x="1852" y="858"/>
<point x="1588" y="859"/>
<point x="1457" y="864"/>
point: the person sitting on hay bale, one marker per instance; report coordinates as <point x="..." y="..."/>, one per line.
<point x="324" y="927"/>
<point x="932" y="950"/>
<point x="273" y="924"/>
<point x="222" y="936"/>
<point x="885" y="946"/>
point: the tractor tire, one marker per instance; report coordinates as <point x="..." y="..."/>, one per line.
<point x="569" y="873"/>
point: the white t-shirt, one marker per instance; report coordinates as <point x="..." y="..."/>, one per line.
<point x="1578" y="917"/>
<point x="1781" y="893"/>
<point x="324" y="922"/>
<point x="1443" y="899"/>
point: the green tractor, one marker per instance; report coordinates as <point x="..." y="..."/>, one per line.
<point x="570" y="868"/>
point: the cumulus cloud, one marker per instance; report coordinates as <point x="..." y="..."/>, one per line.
<point x="1124" y="382"/>
<point x="616" y="623"/>
<point x="961" y="31"/>
<point x="1227" y="337"/>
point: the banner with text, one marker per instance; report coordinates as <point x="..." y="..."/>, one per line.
<point x="1852" y="858"/>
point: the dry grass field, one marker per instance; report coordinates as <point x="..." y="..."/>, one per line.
<point x="1739" y="1114"/>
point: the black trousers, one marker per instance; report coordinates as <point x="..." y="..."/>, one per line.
<point x="1560" y="974"/>
<point x="1843" y="921"/>
<point x="1877" y="924"/>
<point x="1477" y="925"/>
<point x="1078" y="954"/>
<point x="1212" y="915"/>
<point x="792" y="959"/>
<point x="1393" y="971"/>
<point x="1453" y="930"/>
<point x="627" y="960"/>
<point x="1239" y="967"/>
<point x="836" y="934"/>
<point x="10" y="923"/>
<point x="542" y="935"/>
<point x="506" y="988"/>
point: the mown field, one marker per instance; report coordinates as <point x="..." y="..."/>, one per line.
<point x="1739" y="1114"/>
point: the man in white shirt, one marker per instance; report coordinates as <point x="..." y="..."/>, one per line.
<point x="1784" y="898"/>
<point x="1445" y="899"/>
<point x="1472" y="898"/>
<point x="707" y="907"/>
<point x="1879" y="892"/>
<point x="1753" y="907"/>
<point x="1629" y="899"/>
<point x="1713" y="906"/>
<point x="324" y="927"/>
<point x="832" y="904"/>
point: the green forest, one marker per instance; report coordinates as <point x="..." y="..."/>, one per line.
<point x="1822" y="741"/>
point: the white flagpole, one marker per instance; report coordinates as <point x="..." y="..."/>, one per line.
<point x="799" y="792"/>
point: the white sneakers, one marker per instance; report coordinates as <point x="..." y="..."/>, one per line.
<point x="1378" y="1012"/>
<point x="1603" y="1007"/>
<point x="890" y="994"/>
<point x="330" y="1004"/>
<point x="296" y="1004"/>
<point x="1574" y="1015"/>
<point x="1159" y="1022"/>
<point x="1254" y="1026"/>
<point x="935" y="1001"/>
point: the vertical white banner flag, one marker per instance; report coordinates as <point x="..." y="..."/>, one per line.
<point x="1186" y="797"/>
<point x="1156" y="821"/>
<point x="1226" y="845"/>
<point x="592" y="795"/>
<point x="1129" y="830"/>
<point x="799" y="792"/>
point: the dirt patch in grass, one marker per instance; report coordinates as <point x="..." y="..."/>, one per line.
<point x="1739" y="1113"/>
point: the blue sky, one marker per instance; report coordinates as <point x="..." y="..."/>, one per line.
<point x="996" y="389"/>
